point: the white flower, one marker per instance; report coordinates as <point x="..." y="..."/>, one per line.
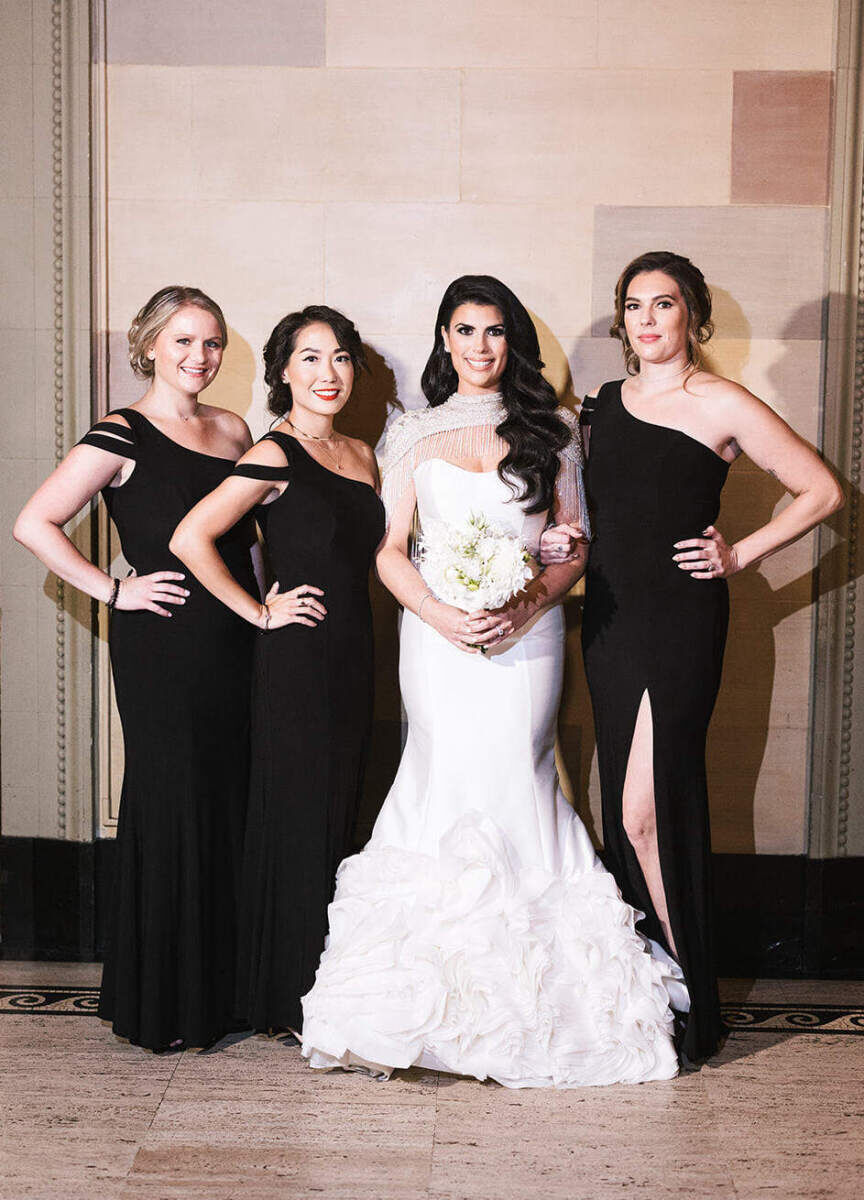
<point x="474" y="564"/>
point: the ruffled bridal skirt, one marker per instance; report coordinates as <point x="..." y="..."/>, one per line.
<point x="478" y="933"/>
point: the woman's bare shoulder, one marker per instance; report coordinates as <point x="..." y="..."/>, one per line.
<point x="117" y="418"/>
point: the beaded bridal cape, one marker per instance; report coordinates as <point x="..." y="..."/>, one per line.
<point x="461" y="429"/>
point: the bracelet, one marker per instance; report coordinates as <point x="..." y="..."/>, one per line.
<point x="266" y="624"/>
<point x="115" y="592"/>
<point x="423" y="600"/>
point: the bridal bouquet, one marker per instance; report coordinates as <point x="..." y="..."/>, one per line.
<point x="474" y="564"/>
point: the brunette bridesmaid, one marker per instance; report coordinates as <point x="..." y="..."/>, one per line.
<point x="659" y="445"/>
<point x="181" y="663"/>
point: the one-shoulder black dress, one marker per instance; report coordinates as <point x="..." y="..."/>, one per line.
<point x="182" y="685"/>
<point x="649" y="626"/>
<point x="311" y="720"/>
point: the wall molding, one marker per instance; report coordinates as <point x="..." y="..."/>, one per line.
<point x="836" y="829"/>
<point x="58" y="271"/>
<point x="105" y="796"/>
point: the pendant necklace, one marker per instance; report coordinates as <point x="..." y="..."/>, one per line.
<point x="314" y="438"/>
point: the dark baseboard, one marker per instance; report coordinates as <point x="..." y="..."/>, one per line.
<point x="54" y="898"/>
<point x="777" y="915"/>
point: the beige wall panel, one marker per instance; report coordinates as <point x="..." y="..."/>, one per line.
<point x="414" y="33"/>
<point x="388" y="265"/>
<point x="17" y="371"/>
<point x="758" y="741"/>
<point x="772" y="35"/>
<point x="550" y="136"/>
<point x="46" y="726"/>
<point x="765" y="678"/>
<point x="17" y="565"/>
<point x="43" y="264"/>
<point x="16" y="264"/>
<point x="150" y="150"/>
<point x="593" y="361"/>
<point x="257" y="259"/>
<point x="43" y="103"/>
<point x="16" y="145"/>
<point x="338" y="135"/>
<point x="21" y="802"/>
<point x="16" y="33"/>
<point x="43" y="400"/>
<point x="785" y="374"/>
<point x="772" y="820"/>
<point x="287" y="32"/>
<point x="765" y="265"/>
<point x="19" y="636"/>
<point x="781" y="137"/>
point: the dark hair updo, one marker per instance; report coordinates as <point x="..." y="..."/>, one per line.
<point x="531" y="427"/>
<point x="694" y="292"/>
<point x="282" y="341"/>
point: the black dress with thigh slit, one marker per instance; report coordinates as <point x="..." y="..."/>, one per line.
<point x="182" y="686"/>
<point x="649" y="626"/>
<point x="311" y="721"/>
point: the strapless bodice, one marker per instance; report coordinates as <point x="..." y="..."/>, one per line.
<point x="449" y="493"/>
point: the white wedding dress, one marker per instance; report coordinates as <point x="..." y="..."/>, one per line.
<point x="477" y="932"/>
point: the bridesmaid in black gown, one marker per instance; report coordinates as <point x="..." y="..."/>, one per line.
<point x="648" y="628"/>
<point x="182" y="684"/>
<point x="314" y="494"/>
<point x="659" y="445"/>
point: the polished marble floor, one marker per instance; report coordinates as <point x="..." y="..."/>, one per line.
<point x="778" y="1115"/>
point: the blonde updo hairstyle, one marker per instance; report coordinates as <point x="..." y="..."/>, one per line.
<point x="694" y="292"/>
<point x="156" y="314"/>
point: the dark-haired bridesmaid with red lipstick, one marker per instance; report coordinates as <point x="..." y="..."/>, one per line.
<point x="314" y="494"/>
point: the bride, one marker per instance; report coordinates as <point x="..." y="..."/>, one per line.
<point x="478" y="933"/>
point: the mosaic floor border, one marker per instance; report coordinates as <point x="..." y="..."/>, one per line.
<point x="741" y="1017"/>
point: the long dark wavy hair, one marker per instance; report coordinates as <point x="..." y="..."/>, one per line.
<point x="280" y="346"/>
<point x="694" y="292"/>
<point x="531" y="428"/>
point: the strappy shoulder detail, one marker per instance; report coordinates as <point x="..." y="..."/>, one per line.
<point x="592" y="404"/>
<point x="261" y="470"/>
<point x="113" y="437"/>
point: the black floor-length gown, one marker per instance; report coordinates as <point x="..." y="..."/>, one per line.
<point x="312" y="716"/>
<point x="649" y="626"/>
<point x="183" y="686"/>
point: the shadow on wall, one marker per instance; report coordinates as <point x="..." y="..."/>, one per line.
<point x="373" y="398"/>
<point x="232" y="387"/>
